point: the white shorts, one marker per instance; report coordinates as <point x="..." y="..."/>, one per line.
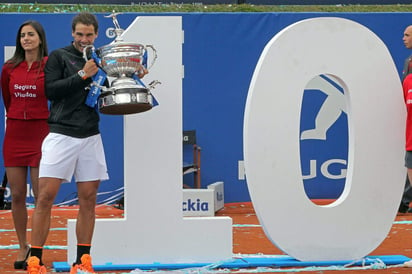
<point x="64" y="156"/>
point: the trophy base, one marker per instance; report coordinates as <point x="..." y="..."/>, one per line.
<point x="125" y="109"/>
<point x="125" y="101"/>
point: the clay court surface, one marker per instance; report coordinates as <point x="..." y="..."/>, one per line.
<point x="246" y="240"/>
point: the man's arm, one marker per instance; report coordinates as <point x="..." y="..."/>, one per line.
<point x="58" y="85"/>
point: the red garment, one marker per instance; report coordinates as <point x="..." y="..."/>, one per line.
<point x="27" y="112"/>
<point x="23" y="91"/>
<point x="407" y="94"/>
<point x="22" y="142"/>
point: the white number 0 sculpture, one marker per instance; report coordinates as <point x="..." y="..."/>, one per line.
<point x="360" y="219"/>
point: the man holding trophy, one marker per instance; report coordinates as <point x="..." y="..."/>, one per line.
<point x="74" y="145"/>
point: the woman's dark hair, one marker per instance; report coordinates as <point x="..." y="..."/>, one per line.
<point x="19" y="53"/>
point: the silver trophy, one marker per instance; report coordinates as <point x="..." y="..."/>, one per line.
<point x="122" y="61"/>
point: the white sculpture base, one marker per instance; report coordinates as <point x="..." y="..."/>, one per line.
<point x="154" y="229"/>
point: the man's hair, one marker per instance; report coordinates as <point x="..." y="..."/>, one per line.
<point x="87" y="19"/>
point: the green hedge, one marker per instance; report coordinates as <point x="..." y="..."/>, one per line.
<point x="198" y="7"/>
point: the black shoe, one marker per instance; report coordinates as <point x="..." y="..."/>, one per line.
<point x="403" y="208"/>
<point x="22" y="264"/>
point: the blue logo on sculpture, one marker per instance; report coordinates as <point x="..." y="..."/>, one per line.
<point x="324" y="138"/>
<point x="195" y="205"/>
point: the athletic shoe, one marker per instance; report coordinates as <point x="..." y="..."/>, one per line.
<point x="34" y="267"/>
<point x="85" y="267"/>
<point x="407" y="264"/>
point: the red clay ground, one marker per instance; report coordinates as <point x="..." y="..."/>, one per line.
<point x="246" y="240"/>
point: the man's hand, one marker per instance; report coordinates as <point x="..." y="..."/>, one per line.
<point x="142" y="72"/>
<point x="90" y="68"/>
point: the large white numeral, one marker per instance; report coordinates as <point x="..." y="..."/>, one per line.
<point x="154" y="229"/>
<point x="360" y="219"/>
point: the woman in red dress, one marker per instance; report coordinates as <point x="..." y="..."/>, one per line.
<point x="22" y="84"/>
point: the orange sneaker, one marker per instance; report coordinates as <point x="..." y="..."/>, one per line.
<point x="34" y="267"/>
<point x="85" y="267"/>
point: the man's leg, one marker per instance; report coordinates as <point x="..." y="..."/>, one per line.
<point x="87" y="192"/>
<point x="406" y="197"/>
<point x="48" y="189"/>
<point x="409" y="263"/>
<point x="85" y="225"/>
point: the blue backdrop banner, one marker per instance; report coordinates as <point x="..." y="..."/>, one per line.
<point x="220" y="53"/>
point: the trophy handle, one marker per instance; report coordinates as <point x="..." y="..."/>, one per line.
<point x="153" y="84"/>
<point x="85" y="51"/>
<point x="149" y="65"/>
